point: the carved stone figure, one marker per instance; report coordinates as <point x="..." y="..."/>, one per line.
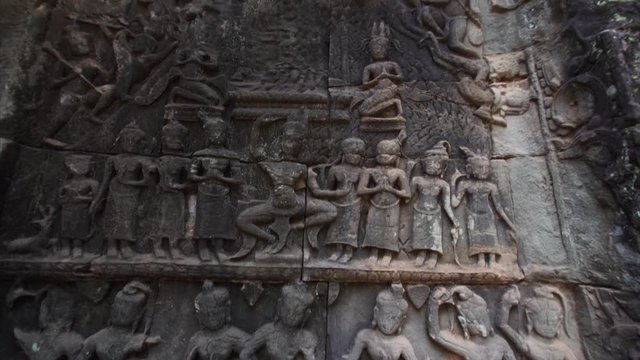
<point x="39" y="243"/>
<point x="495" y="101"/>
<point x="479" y="342"/>
<point x="217" y="339"/>
<point x="125" y="175"/>
<point x="456" y="21"/>
<point x="387" y="185"/>
<point x="288" y="208"/>
<point x="215" y="170"/>
<point x="380" y="108"/>
<point x="54" y="340"/>
<point x="170" y="216"/>
<point x="483" y="197"/>
<point x="285" y="337"/>
<point x="384" y="341"/>
<point x="431" y="191"/>
<point x="84" y="85"/>
<point x="120" y="339"/>
<point x="342" y="187"/>
<point x="76" y="195"/>
<point x="546" y="315"/>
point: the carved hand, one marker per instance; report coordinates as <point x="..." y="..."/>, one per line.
<point x="441" y="295"/>
<point x="153" y="340"/>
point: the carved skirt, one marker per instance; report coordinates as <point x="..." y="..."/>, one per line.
<point x="482" y="232"/>
<point x="214" y="213"/>
<point x="383" y="227"/>
<point x="427" y="230"/>
<point x="121" y="212"/>
<point x="170" y="222"/>
<point x="75" y="220"/>
<point x="344" y="230"/>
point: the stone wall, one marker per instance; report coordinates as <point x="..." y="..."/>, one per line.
<point x="319" y="179"/>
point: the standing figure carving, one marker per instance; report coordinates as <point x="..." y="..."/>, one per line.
<point x="54" y="340"/>
<point x="288" y="208"/>
<point x="76" y="195"/>
<point x="342" y="187"/>
<point x="545" y="315"/>
<point x="170" y="215"/>
<point x="482" y="194"/>
<point x="479" y="342"/>
<point x="384" y="341"/>
<point x="125" y="175"/>
<point x="217" y="339"/>
<point x="380" y="108"/>
<point x="215" y="170"/>
<point x="431" y="191"/>
<point x="387" y="185"/>
<point x="285" y="337"/>
<point x="119" y="340"/>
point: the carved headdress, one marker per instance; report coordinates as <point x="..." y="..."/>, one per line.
<point x="129" y="304"/>
<point x="393" y="296"/>
<point x="297" y="123"/>
<point x="380" y="34"/>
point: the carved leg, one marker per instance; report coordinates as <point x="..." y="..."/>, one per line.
<point x="203" y="250"/>
<point x="373" y="256"/>
<point x="77" y="248"/>
<point x="249" y="218"/>
<point x="125" y="249"/>
<point x="420" y="259"/>
<point x="65" y="247"/>
<point x="112" y="248"/>
<point x="457" y="34"/>
<point x="337" y="253"/>
<point x="481" y="260"/>
<point x="386" y="259"/>
<point x="347" y="255"/>
<point x="174" y="250"/>
<point x="492" y="260"/>
<point x="158" y="251"/>
<point x="433" y="260"/>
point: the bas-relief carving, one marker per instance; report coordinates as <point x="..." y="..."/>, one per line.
<point x="121" y="338"/>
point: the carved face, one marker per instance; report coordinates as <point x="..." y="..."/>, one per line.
<point x="293" y="311"/>
<point x="479" y="168"/>
<point x="79" y="43"/>
<point x="173" y="141"/>
<point x="388" y="151"/>
<point x="284" y="197"/>
<point x="212" y="317"/>
<point x="131" y="142"/>
<point x="352" y="159"/>
<point x="379" y="48"/>
<point x="291" y="143"/>
<point x="545" y="316"/>
<point x="216" y="130"/>
<point x="433" y="165"/>
<point x="389" y="318"/>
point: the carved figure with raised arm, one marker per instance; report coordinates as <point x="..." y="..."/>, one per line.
<point x="546" y="317"/>
<point x="479" y="341"/>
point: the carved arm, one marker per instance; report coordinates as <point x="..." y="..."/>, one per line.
<point x="438" y="297"/>
<point x="510" y="299"/>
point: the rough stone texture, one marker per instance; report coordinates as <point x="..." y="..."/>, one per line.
<point x="339" y="179"/>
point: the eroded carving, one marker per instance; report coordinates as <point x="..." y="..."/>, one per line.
<point x="386" y="184"/>
<point x="217" y="339"/>
<point x="546" y="314"/>
<point x="479" y="341"/>
<point x="285" y="337"/>
<point x="483" y="198"/>
<point x="384" y="340"/>
<point x="121" y="339"/>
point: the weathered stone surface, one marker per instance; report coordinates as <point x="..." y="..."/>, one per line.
<point x="340" y="179"/>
